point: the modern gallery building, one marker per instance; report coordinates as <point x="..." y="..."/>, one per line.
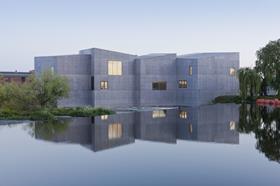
<point x="109" y="79"/>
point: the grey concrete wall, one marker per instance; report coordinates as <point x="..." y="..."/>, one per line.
<point x="187" y="96"/>
<point x="156" y="68"/>
<point x="122" y="89"/>
<point x="76" y="69"/>
<point x="213" y="78"/>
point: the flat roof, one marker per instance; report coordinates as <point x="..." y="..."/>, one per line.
<point x="17" y="74"/>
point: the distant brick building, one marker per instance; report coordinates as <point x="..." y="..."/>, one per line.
<point x="18" y="77"/>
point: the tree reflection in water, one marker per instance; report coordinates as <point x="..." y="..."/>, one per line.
<point x="47" y="129"/>
<point x="264" y="122"/>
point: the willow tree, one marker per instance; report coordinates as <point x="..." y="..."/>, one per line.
<point x="268" y="65"/>
<point x="249" y="83"/>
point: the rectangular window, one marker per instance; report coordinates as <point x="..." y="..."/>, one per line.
<point x="92" y="82"/>
<point x="232" y="71"/>
<point x="114" y="131"/>
<point x="115" y="68"/>
<point x="183" y="84"/>
<point x="160" y="85"/>
<point x="104" y="117"/>
<point x="190" y="70"/>
<point x="103" y="84"/>
<point x="159" y="113"/>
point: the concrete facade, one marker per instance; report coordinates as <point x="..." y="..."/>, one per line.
<point x="134" y="87"/>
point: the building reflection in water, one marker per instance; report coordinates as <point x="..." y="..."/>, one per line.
<point x="210" y="123"/>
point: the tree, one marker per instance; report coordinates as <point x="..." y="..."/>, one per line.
<point x="36" y="93"/>
<point x="249" y="83"/>
<point x="268" y="65"/>
<point x="49" y="88"/>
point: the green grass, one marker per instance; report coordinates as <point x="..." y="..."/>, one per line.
<point x="50" y="114"/>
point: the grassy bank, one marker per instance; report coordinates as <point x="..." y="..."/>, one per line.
<point x="49" y="114"/>
<point x="238" y="100"/>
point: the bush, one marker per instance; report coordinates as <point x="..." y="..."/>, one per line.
<point x="80" y="111"/>
<point x="227" y="99"/>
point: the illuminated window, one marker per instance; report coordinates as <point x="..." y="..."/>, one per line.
<point x="183" y="114"/>
<point x="103" y="84"/>
<point x="183" y="84"/>
<point x="114" y="131"/>
<point x="159" y="113"/>
<point x="104" y="117"/>
<point x="190" y="128"/>
<point x="161" y="85"/>
<point x="190" y="70"/>
<point x="232" y="125"/>
<point x="232" y="71"/>
<point x="115" y="68"/>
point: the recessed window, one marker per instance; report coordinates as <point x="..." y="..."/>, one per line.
<point x="114" y="131"/>
<point x="190" y="128"/>
<point x="183" y="84"/>
<point x="115" y="68"/>
<point x="92" y="82"/>
<point x="160" y="85"/>
<point x="103" y="84"/>
<point x="159" y="113"/>
<point x="232" y="71"/>
<point x="183" y="114"/>
<point x="190" y="70"/>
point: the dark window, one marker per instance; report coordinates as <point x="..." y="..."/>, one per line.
<point x="92" y="83"/>
<point x="103" y="84"/>
<point x="161" y="85"/>
<point x="183" y="84"/>
<point x="22" y="79"/>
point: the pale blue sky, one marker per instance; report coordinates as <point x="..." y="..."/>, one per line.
<point x="55" y="27"/>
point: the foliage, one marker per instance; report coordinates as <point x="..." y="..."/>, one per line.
<point x="227" y="99"/>
<point x="268" y="65"/>
<point x="49" y="88"/>
<point x="36" y="93"/>
<point x="249" y="83"/>
<point x="80" y="111"/>
<point x="37" y="98"/>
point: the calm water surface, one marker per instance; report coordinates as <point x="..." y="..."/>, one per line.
<point x="209" y="145"/>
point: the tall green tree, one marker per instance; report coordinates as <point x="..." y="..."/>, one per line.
<point x="268" y="65"/>
<point x="249" y="82"/>
<point x="37" y="92"/>
<point x="49" y="88"/>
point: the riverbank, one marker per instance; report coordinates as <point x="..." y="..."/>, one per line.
<point x="238" y="100"/>
<point x="49" y="114"/>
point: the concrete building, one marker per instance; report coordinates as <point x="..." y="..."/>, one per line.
<point x="109" y="79"/>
